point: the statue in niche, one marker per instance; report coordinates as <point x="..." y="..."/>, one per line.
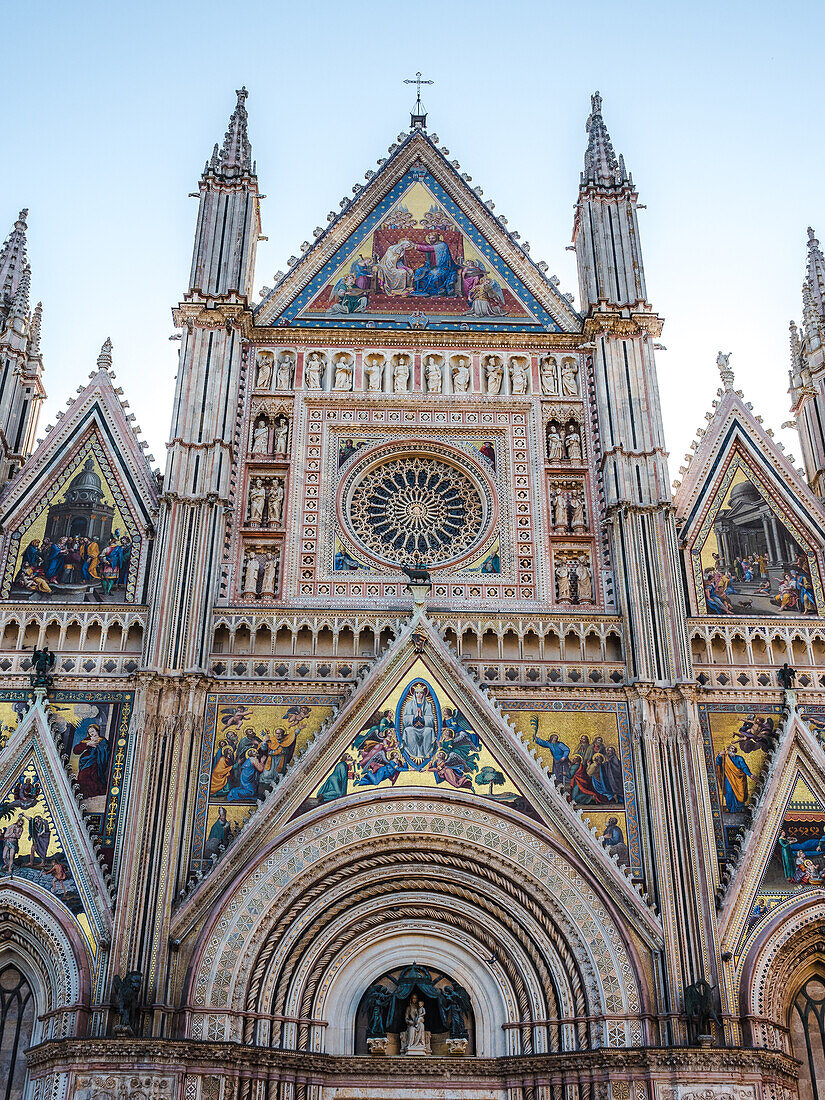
<point x="585" y="581"/>
<point x="563" y="579"/>
<point x="343" y="374"/>
<point x="127" y="1000"/>
<point x="560" y="511"/>
<point x="270" y="573"/>
<point x="276" y="503"/>
<point x="549" y="379"/>
<point x="281" y="436"/>
<point x="379" y="999"/>
<point x="573" y="443"/>
<point x="432" y="369"/>
<point x="250" y="576"/>
<point x="315" y="371"/>
<point x="569" y="378"/>
<point x="401" y="374"/>
<point x="264" y="378"/>
<point x="257" y="500"/>
<point x="495" y="374"/>
<point x="374" y="370"/>
<point x="578" y="521"/>
<point x="518" y="376"/>
<point x="260" y="437"/>
<point x="461" y="376"/>
<point x="555" y="447"/>
<point x="454" y="1002"/>
<point x="413" y="1038"/>
<point x="284" y="372"/>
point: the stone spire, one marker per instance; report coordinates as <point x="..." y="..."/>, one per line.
<point x="235" y="158"/>
<point x="104" y="360"/>
<point x="602" y="168"/>
<point x="229" y="223"/>
<point x="13" y="261"/>
<point x="815" y="275"/>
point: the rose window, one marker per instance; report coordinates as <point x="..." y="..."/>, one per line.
<point x="416" y="508"/>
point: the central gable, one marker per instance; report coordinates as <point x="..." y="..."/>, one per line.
<point x="417" y="248"/>
<point x="417" y="253"/>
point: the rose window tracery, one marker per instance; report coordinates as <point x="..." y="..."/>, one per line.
<point x="416" y="508"/>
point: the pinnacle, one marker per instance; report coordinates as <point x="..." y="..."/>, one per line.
<point x="13" y="262"/>
<point x="601" y="166"/>
<point x="235" y="157"/>
<point x="34" y="330"/>
<point x="815" y="275"/>
<point x="104" y="360"/>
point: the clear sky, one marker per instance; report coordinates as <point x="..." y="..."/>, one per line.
<point x="111" y="110"/>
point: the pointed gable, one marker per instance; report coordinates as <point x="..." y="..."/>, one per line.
<point x="781" y="856"/>
<point x="417" y="247"/>
<point x="446" y="737"/>
<point x="88" y="479"/>
<point x="54" y="852"/>
<point x="744" y="507"/>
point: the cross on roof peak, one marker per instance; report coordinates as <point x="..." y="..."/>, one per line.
<point x="418" y="116"/>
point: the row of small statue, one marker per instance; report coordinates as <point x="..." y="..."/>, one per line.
<point x="266" y="502"/>
<point x="574" y="580"/>
<point x="556" y="379"/>
<point x="260" y="443"/>
<point x="567" y="512"/>
<point x="260" y="574"/>
<point x="566" y="446"/>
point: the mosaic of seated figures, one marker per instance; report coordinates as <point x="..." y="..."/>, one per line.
<point x="418" y="257"/>
<point x="751" y="561"/>
<point x="79" y="544"/>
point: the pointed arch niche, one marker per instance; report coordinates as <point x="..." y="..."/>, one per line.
<point x="782" y="993"/>
<point x="44" y="981"/>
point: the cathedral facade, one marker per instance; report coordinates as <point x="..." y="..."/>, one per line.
<point x="411" y="736"/>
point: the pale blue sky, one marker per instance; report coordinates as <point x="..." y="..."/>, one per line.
<point x="111" y="110"/>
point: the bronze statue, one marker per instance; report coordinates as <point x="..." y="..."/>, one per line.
<point x="127" y="1000"/>
<point x="700" y="1008"/>
<point x="378" y="1001"/>
<point x="42" y="665"/>
<point x="786" y="676"/>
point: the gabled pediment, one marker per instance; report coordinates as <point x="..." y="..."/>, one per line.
<point x="54" y="850"/>
<point x="781" y="856"/>
<point x="417" y="248"/>
<point x="89" y="479"/>
<point x="748" y="524"/>
<point x="419" y="723"/>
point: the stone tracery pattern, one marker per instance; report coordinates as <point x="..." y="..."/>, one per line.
<point x="416" y="509"/>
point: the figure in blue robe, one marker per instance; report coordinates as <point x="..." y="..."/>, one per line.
<point x="335" y="786"/>
<point x="560" y="753"/>
<point x="438" y="275"/>
<point x="247" y="789"/>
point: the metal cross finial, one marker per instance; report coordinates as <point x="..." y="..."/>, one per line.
<point x="418" y="80"/>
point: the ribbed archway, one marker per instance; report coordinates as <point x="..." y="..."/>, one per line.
<point x="303" y="931"/>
